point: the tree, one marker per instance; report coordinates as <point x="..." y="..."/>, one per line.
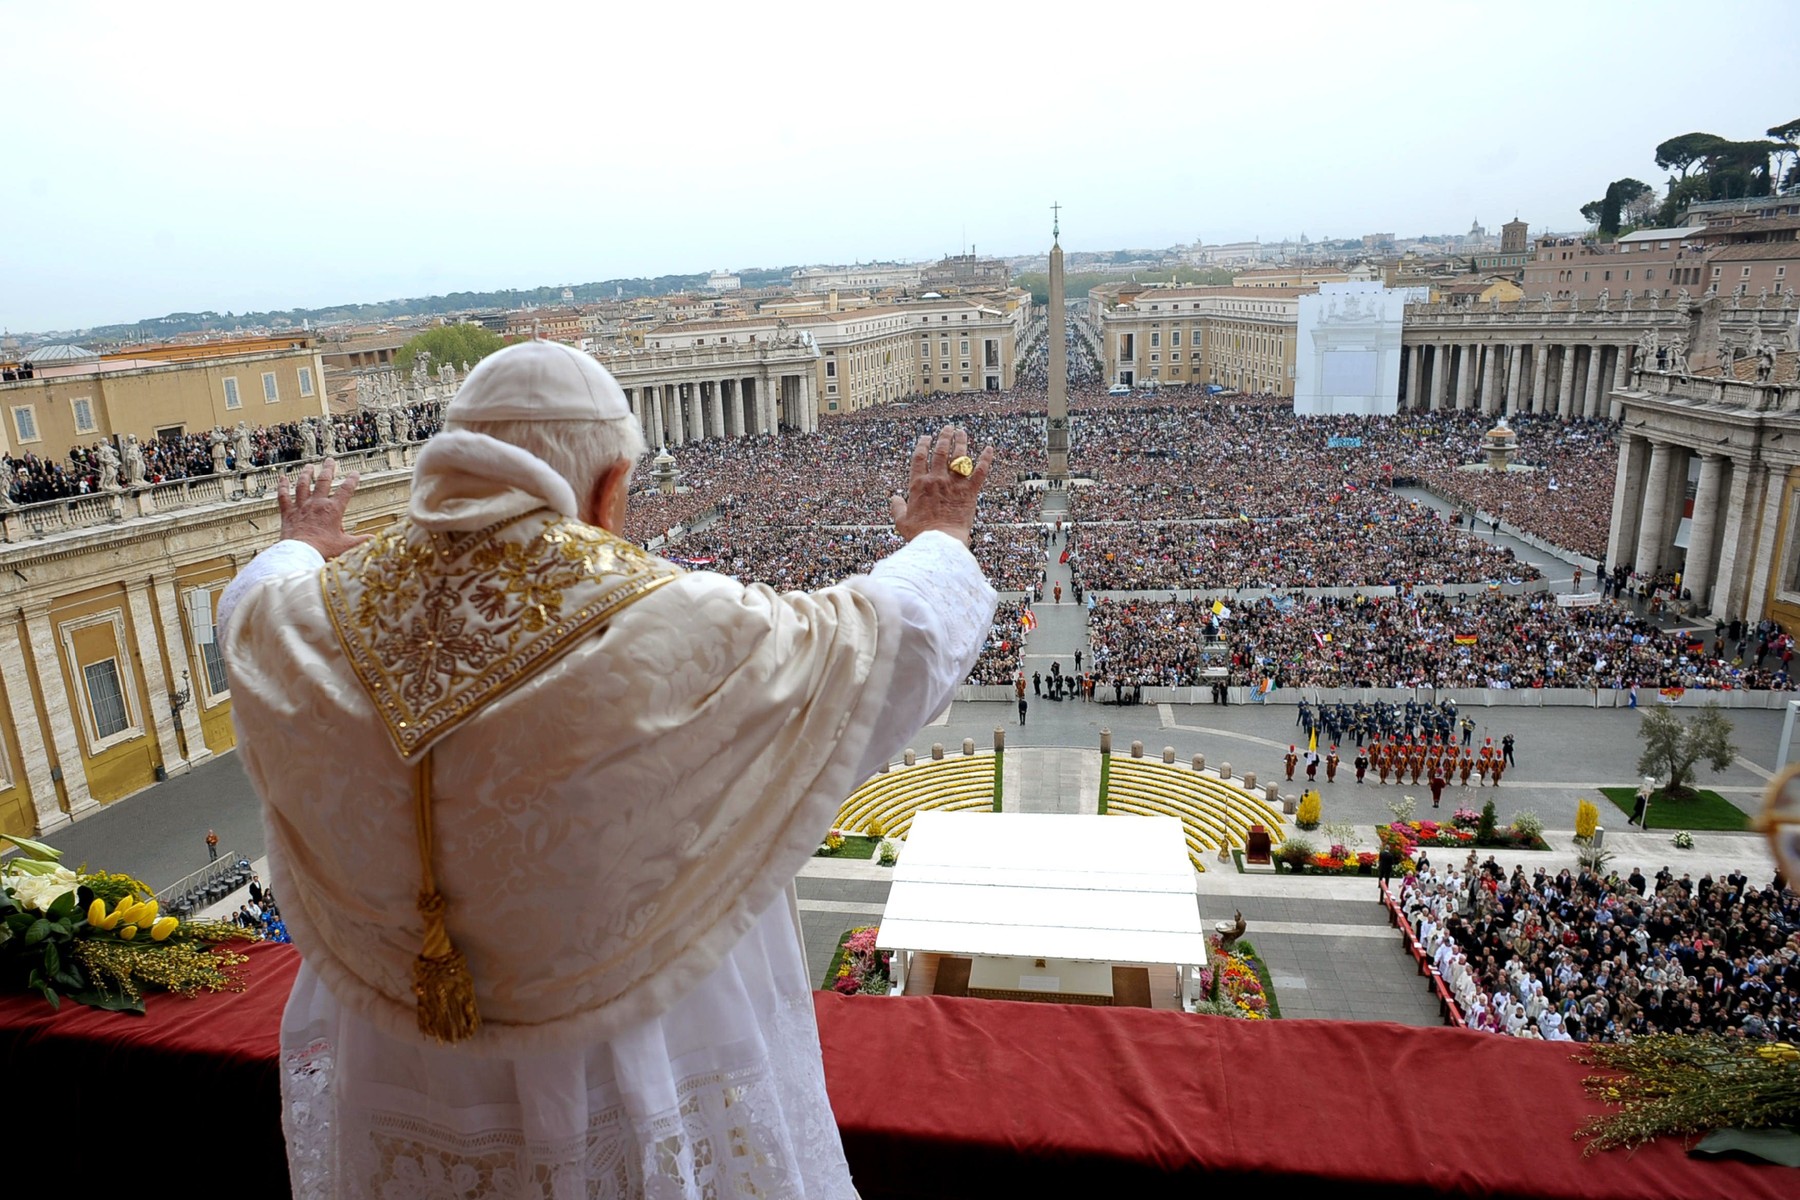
<point x="1590" y="212"/>
<point x="1685" y="152"/>
<point x="1788" y="134"/>
<point x="454" y="344"/>
<point x="1609" y="212"/>
<point x="1672" y="746"/>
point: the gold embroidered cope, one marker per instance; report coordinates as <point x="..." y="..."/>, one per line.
<point x="437" y="625"/>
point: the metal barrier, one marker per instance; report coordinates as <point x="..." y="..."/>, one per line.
<point x="210" y="884"/>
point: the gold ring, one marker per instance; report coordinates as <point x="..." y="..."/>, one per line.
<point x="963" y="465"/>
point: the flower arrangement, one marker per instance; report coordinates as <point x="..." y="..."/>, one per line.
<point x="889" y="853"/>
<point x="1311" y="807"/>
<point x="1527" y="824"/>
<point x="1587" y="819"/>
<point x="1465" y="818"/>
<point x="1691" y="1084"/>
<point x="834" y="841"/>
<point x="1683" y="840"/>
<point x="1234" y="980"/>
<point x="98" y="939"/>
<point x="862" y="968"/>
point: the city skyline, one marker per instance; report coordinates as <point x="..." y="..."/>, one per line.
<point x="246" y="163"/>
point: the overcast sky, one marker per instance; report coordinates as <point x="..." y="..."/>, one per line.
<point x="242" y="157"/>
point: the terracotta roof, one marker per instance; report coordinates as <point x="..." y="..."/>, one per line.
<point x="1756" y="251"/>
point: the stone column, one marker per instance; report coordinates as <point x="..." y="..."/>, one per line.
<point x="1620" y="381"/>
<point x="1488" y="357"/>
<point x="1628" y="503"/>
<point x="1650" y="539"/>
<point x="715" y="410"/>
<point x="1440" y="375"/>
<point x="1540" y="367"/>
<point x="1565" y="382"/>
<point x="1465" y="375"/>
<point x="1765" y="554"/>
<point x="1697" y="575"/>
<point x="1590" y="404"/>
<point x="156" y="680"/>
<point x="1512" y="401"/>
<point x="59" y="709"/>
<point x="37" y="782"/>
<point x="1728" y="587"/>
<point x="168" y="614"/>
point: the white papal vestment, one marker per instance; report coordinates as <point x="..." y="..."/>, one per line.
<point x="616" y="840"/>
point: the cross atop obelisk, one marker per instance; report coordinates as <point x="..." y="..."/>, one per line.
<point x="1056" y="425"/>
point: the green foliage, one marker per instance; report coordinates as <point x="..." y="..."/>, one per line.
<point x="1700" y="809"/>
<point x="1672" y="746"/>
<point x="1485" y="829"/>
<point x="453" y="344"/>
<point x="1526" y="823"/>
<point x="1296" y="851"/>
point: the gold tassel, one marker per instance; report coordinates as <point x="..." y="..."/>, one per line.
<point x="442" y="985"/>
<point x="441" y="980"/>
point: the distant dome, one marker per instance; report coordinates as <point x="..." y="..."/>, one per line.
<point x="60" y="353"/>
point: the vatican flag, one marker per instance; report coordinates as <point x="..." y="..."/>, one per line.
<point x="1312" y="743"/>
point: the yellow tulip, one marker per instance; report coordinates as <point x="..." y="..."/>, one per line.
<point x="97" y="912"/>
<point x="121" y="913"/>
<point x="146" y="912"/>
<point x="163" y="927"/>
<point x="129" y="932"/>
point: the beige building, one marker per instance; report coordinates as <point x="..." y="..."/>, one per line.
<point x="1289" y="277"/>
<point x="158" y="391"/>
<point x="1708" y="481"/>
<point x="1239" y="338"/>
<point x="110" y="675"/>
<point x="880" y="352"/>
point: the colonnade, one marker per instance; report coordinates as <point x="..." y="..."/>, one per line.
<point x="691" y="410"/>
<point x="1569" y="379"/>
<point x="1706" y="513"/>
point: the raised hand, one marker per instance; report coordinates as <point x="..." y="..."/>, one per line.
<point x="310" y="513"/>
<point x="937" y="497"/>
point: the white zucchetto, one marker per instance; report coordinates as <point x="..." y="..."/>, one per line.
<point x="538" y="381"/>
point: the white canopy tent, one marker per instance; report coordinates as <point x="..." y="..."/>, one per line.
<point x="997" y="887"/>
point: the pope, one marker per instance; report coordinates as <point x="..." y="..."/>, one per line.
<point x="535" y="799"/>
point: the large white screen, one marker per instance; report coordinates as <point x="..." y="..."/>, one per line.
<point x="1350" y="373"/>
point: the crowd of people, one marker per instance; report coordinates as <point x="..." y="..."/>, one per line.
<point x="805" y="557"/>
<point x="190" y="455"/>
<point x="260" y="914"/>
<point x="1590" y="957"/>
<point x="1483" y="639"/>
<point x="1381" y="540"/>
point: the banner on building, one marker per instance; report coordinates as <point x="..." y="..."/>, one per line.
<point x="1343" y="443"/>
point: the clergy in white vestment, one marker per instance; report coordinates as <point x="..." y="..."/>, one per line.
<point x="535" y="799"/>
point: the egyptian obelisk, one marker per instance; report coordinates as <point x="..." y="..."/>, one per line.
<point x="1057" y="427"/>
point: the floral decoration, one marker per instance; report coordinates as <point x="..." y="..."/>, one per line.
<point x="98" y="938"/>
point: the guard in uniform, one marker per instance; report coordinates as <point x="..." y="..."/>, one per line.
<point x="1290" y="761"/>
<point x="1331" y="765"/>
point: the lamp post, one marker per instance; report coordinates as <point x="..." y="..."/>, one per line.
<point x="179" y="700"/>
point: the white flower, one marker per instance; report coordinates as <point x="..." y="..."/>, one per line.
<point x="39" y="892"/>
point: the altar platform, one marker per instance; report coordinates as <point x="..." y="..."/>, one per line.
<point x="1044" y="906"/>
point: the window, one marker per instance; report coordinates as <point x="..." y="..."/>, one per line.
<point x="1649" y="274"/>
<point x="231" y="393"/>
<point x="106" y="701"/>
<point x="1174" y="337"/>
<point x="965" y="379"/>
<point x="830" y="369"/>
<point x="270" y="394"/>
<point x="84" y="414"/>
<point x="1155" y="340"/>
<point x="1174" y="356"/>
<point x="306" y="380"/>
<point x="964" y="347"/>
<point x="25" y="422"/>
<point x="1746" y="274"/>
<point x="200" y="620"/>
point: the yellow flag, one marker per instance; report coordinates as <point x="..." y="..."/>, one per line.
<point x="1312" y="743"/>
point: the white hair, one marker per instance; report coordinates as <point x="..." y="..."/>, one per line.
<point x="579" y="451"/>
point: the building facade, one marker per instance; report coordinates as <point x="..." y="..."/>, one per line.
<point x="1708" y="483"/>
<point x="1238" y="338"/>
<point x="161" y="391"/>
